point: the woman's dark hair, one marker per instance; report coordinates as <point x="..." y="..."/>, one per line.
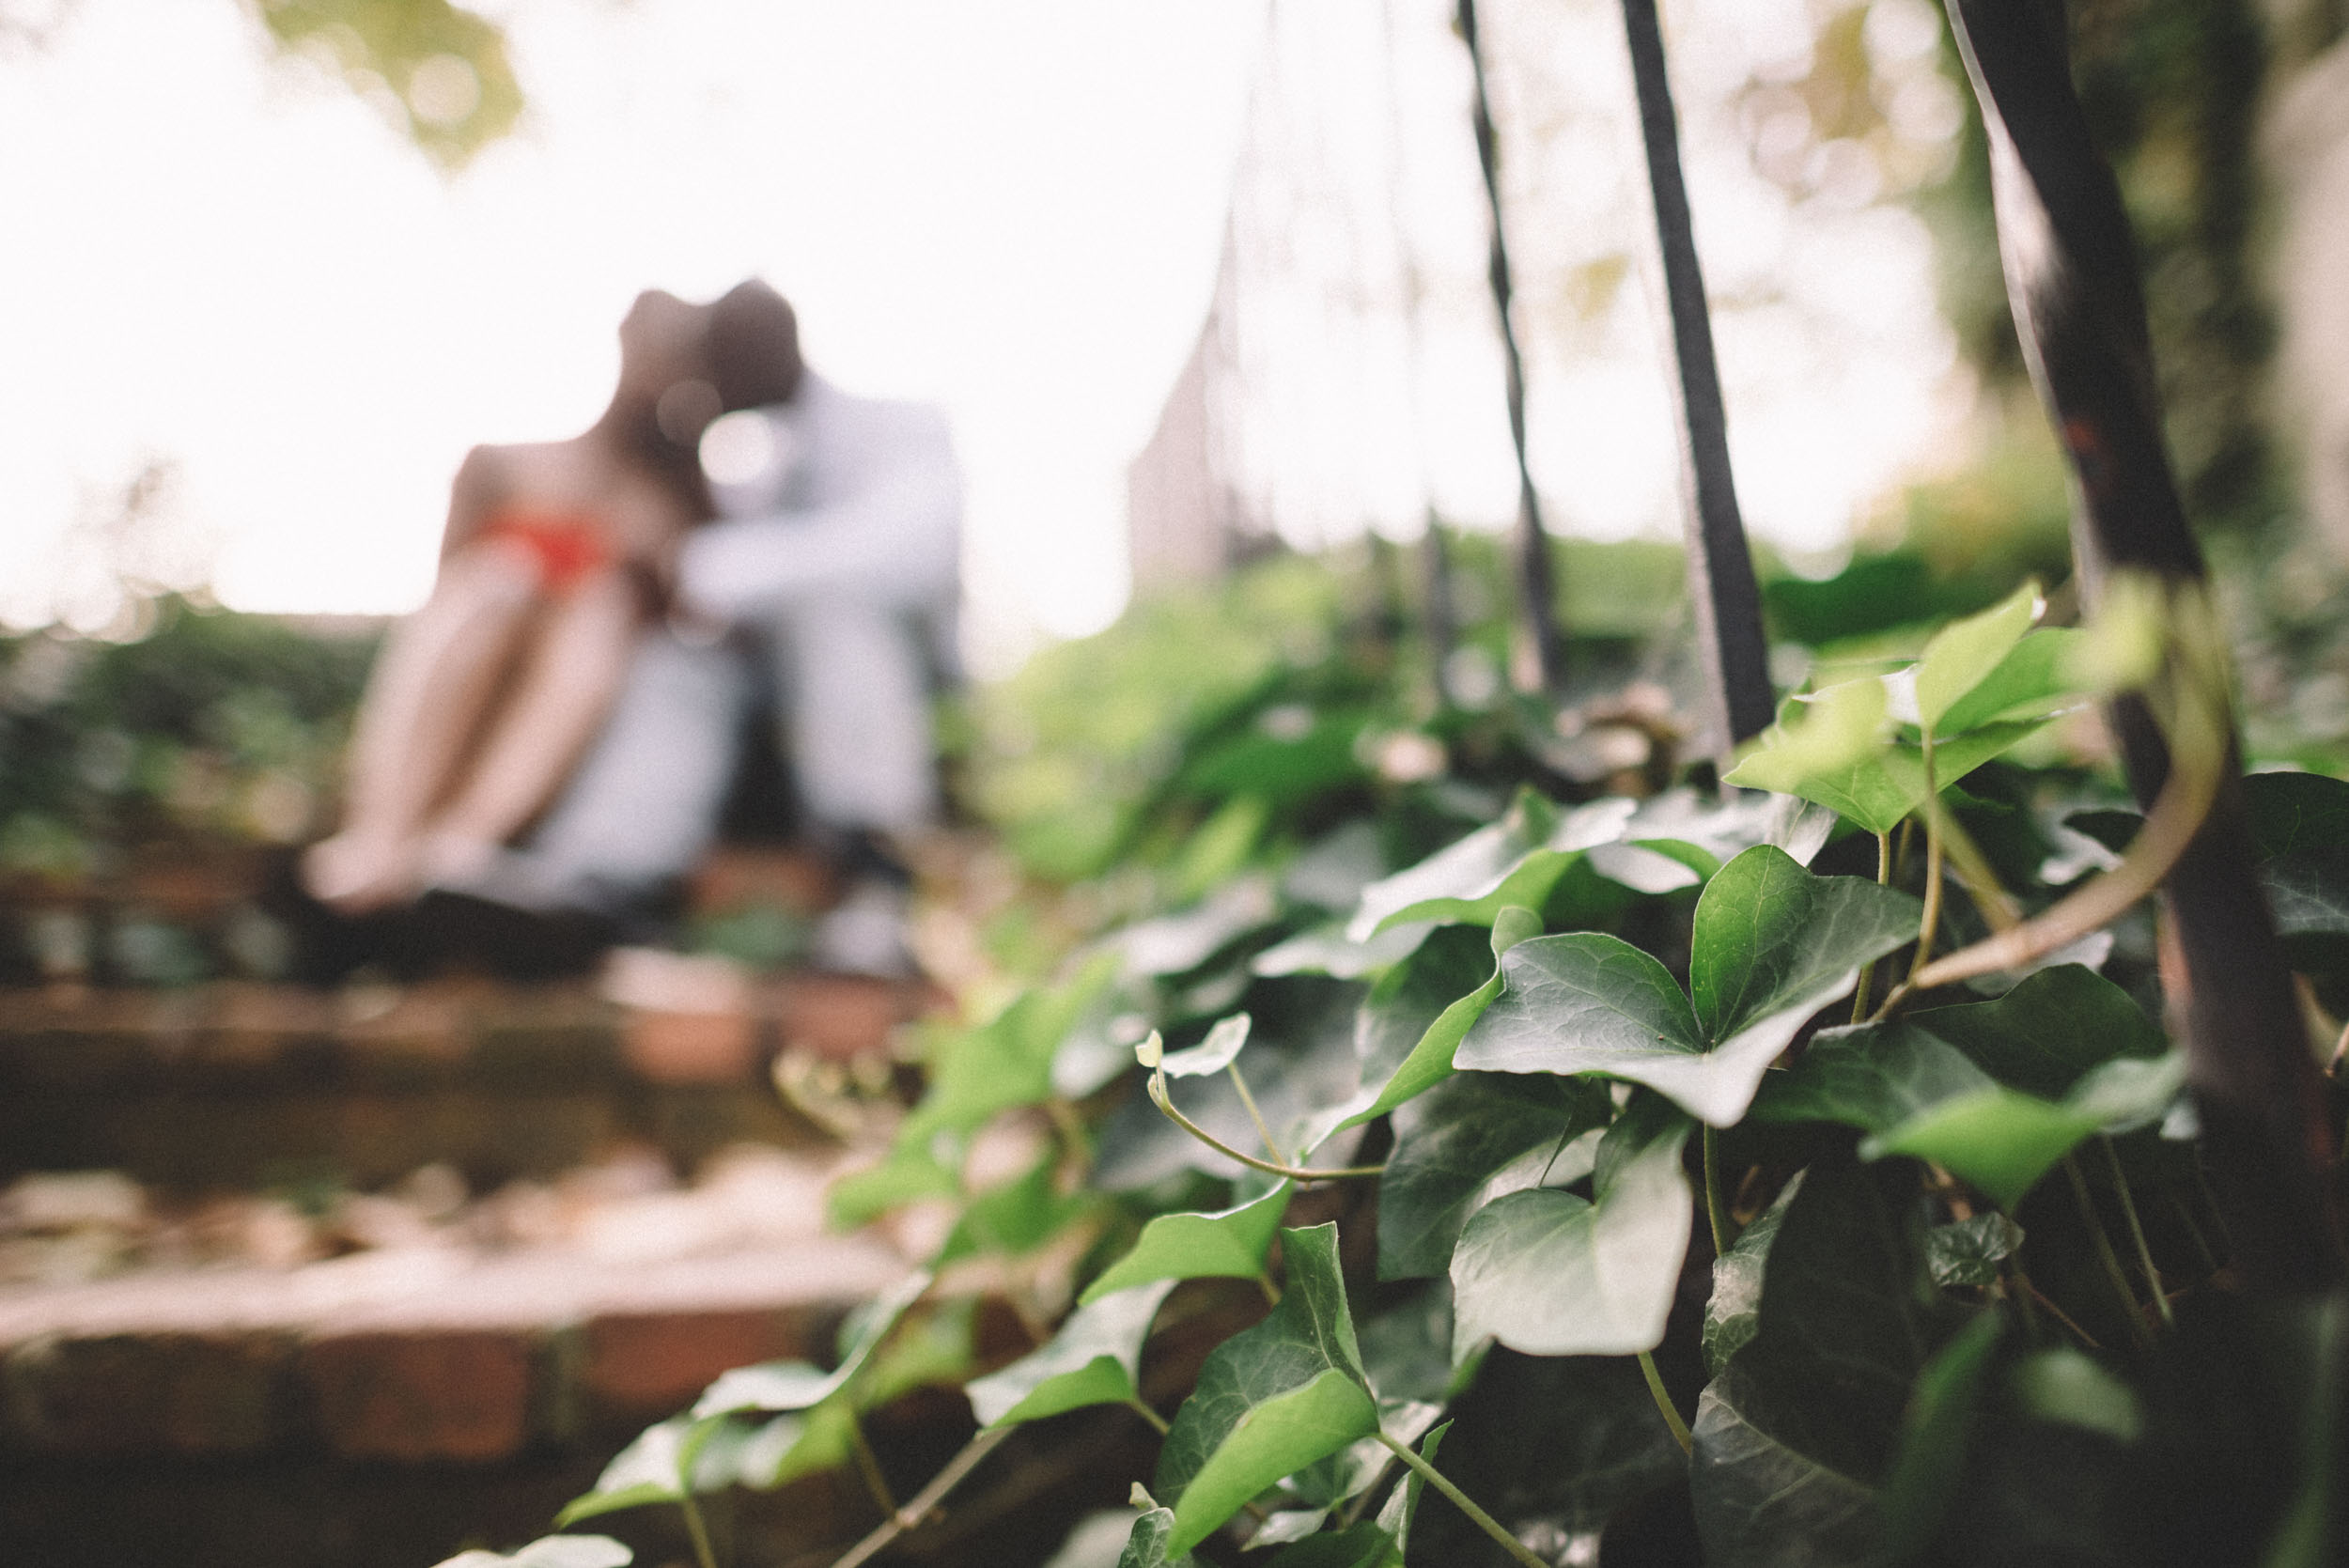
<point x="754" y="346"/>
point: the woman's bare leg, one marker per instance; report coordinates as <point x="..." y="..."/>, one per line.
<point x="432" y="686"/>
<point x="564" y="688"/>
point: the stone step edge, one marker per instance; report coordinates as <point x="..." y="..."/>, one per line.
<point x="409" y="1360"/>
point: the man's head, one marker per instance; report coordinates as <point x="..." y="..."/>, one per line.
<point x="666" y="382"/>
<point x="754" y="347"/>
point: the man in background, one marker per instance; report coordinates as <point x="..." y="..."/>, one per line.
<point x="826" y="587"/>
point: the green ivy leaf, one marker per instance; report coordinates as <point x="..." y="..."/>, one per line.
<point x="1218" y="1050"/>
<point x="1146" y="1548"/>
<point x="1431" y="1060"/>
<point x="2002" y="1141"/>
<point x="2300" y="824"/>
<point x="1773" y="944"/>
<point x="1873" y="1076"/>
<point x="906" y="1175"/>
<point x="1968" y="1251"/>
<point x="2051" y="1029"/>
<point x="661" y="1464"/>
<point x="551" y="1551"/>
<point x="1454" y="1141"/>
<point x="1225" y="1245"/>
<point x="1448" y="885"/>
<point x="1548" y="1273"/>
<point x="1096" y="1358"/>
<point x="1005" y="1062"/>
<point x="1360" y="1544"/>
<point x="1964" y="654"/>
<point x="795" y="1385"/>
<point x="1270" y="1400"/>
<point x="1402" y="1505"/>
<point x="1733" y="1314"/>
<point x="1825" y="735"/>
<point x="1761" y="1503"/>
<point x="1940" y="1423"/>
<point x="2031" y="683"/>
<point x="1017" y="1218"/>
<point x="1452" y="962"/>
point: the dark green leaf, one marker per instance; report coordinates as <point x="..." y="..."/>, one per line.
<point x="1733" y="1314"/>
<point x="1228" y="1244"/>
<point x="1551" y="1274"/>
<point x="1774" y="943"/>
<point x="1452" y="962"/>
<point x="2300" y="824"/>
<point x="1095" y="1358"/>
<point x="1873" y="1076"/>
<point x="1432" y="1060"/>
<point x="1146" y="1548"/>
<point x="1940" y="1423"/>
<point x="1968" y="1251"/>
<point x="1762" y="1504"/>
<point x="1360" y="1544"/>
<point x="2051" y="1027"/>
<point x="1452" y="1143"/>
<point x="1270" y="1400"/>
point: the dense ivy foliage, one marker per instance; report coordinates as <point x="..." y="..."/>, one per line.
<point x="1680" y="1213"/>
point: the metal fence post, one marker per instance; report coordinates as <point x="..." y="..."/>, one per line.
<point x="1722" y="587"/>
<point x="2071" y="277"/>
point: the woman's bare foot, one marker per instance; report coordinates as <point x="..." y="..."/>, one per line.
<point x="358" y="874"/>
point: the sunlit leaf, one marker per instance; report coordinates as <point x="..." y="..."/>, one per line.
<point x="1962" y="654"/>
<point x="1218" y="1050"/>
<point x="1004" y="1062"/>
<point x="1228" y="1244"/>
<point x="1824" y="735"/>
<point x="1474" y="868"/>
<point x="1271" y="1399"/>
<point x="1094" y="1360"/>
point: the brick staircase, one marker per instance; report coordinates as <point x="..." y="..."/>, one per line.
<point x="396" y="1403"/>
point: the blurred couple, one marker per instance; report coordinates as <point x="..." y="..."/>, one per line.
<point x="544" y="750"/>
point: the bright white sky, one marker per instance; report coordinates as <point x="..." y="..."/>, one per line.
<point x="1013" y="207"/>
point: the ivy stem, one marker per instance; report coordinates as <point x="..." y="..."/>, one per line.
<point x="1253" y="1114"/>
<point x="1868" y="969"/>
<point x="1715" y="1215"/>
<point x="2106" y="1256"/>
<point x="926" y="1498"/>
<point x="1159" y="1098"/>
<point x="1931" y="919"/>
<point x="1459" y="1499"/>
<point x="2136" y="1235"/>
<point x="868" y="1465"/>
<point x="2035" y="1294"/>
<point x="1271" y="1290"/>
<point x="1155" y="1421"/>
<point x="1664" y="1404"/>
<point x="698" y="1529"/>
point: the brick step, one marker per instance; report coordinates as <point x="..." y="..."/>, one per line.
<point x="240" y="1083"/>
